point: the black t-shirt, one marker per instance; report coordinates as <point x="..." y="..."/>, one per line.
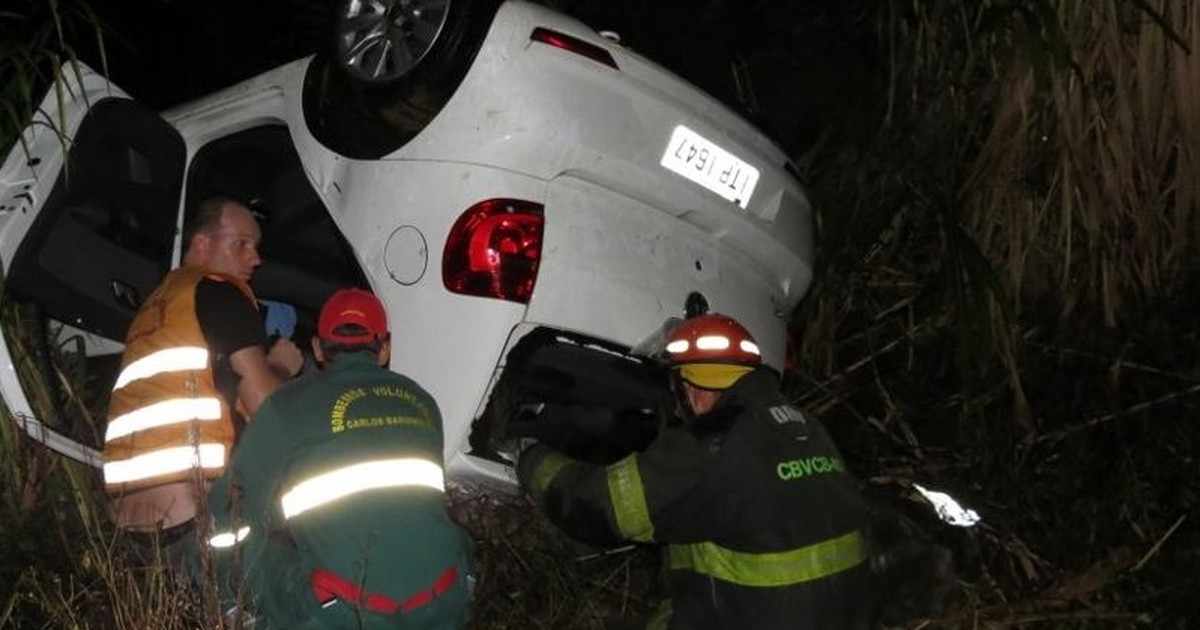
<point x="229" y="322"/>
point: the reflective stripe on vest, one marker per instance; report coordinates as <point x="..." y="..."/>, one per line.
<point x="161" y="414"/>
<point x="628" y="499"/>
<point x="169" y="360"/>
<point x="784" y="568"/>
<point x="386" y="473"/>
<point x="166" y="358"/>
<point x="165" y="461"/>
<point x="225" y="540"/>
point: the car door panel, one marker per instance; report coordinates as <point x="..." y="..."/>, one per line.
<point x="88" y="222"/>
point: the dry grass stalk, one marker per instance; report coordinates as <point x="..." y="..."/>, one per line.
<point x="1086" y="184"/>
<point x="1030" y="165"/>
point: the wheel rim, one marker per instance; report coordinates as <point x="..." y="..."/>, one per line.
<point x="382" y="40"/>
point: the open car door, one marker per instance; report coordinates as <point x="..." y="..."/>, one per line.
<point x="89" y="203"/>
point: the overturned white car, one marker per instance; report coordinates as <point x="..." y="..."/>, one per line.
<point x="532" y="201"/>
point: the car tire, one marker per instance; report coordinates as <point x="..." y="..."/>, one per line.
<point x="364" y="114"/>
<point x="379" y="42"/>
<point x="383" y="45"/>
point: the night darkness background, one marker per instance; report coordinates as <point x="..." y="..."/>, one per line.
<point x="1006" y="199"/>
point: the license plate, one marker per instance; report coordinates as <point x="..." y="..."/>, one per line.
<point x="706" y="163"/>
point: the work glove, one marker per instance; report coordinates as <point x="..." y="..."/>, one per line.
<point x="280" y="319"/>
<point x="280" y="324"/>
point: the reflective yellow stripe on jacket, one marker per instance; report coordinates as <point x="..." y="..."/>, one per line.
<point x="545" y="472"/>
<point x="628" y="498"/>
<point x="328" y="487"/>
<point x="785" y="568"/>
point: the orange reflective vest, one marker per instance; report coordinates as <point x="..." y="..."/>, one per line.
<point x="166" y="417"/>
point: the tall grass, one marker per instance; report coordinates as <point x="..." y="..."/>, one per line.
<point x="65" y="565"/>
<point x="1086" y="181"/>
<point x="1005" y="300"/>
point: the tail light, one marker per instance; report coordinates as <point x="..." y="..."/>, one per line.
<point x="493" y="250"/>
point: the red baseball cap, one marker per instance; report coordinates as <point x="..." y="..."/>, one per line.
<point x="352" y="306"/>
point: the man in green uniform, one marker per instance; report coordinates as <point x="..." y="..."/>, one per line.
<point x="332" y="513"/>
<point x="764" y="526"/>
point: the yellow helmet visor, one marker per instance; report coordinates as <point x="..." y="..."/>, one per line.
<point x="713" y="375"/>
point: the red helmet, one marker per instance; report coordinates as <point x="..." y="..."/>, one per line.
<point x="712" y="351"/>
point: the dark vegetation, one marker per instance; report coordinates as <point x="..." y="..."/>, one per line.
<point x="1007" y="214"/>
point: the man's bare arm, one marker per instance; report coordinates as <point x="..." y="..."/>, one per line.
<point x="258" y="378"/>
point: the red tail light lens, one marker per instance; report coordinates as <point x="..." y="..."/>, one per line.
<point x="493" y="250"/>
<point x="573" y="44"/>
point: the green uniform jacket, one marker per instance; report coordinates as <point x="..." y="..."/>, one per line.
<point x="365" y="432"/>
<point x="763" y="524"/>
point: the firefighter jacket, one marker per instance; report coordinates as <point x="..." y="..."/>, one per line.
<point x="335" y="503"/>
<point x="763" y="525"/>
<point x="165" y="413"/>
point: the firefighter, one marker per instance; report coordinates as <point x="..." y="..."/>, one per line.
<point x="195" y="366"/>
<point x="332" y="513"/>
<point x="762" y="521"/>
